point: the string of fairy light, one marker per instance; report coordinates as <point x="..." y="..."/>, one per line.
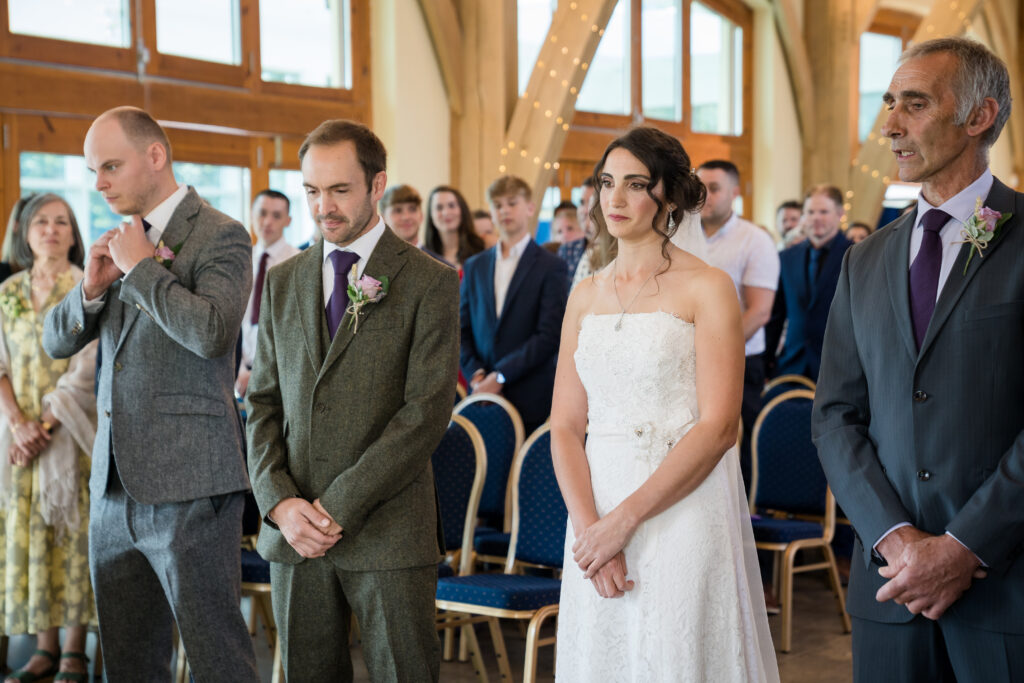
<point x="511" y="147"/>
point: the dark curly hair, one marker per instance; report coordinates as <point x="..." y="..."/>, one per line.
<point x="667" y="162"/>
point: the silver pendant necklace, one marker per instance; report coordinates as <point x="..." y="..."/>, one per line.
<point x="615" y="286"/>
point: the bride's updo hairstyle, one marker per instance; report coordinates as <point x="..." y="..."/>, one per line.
<point x="666" y="161"/>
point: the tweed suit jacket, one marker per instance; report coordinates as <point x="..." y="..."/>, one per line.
<point x="935" y="436"/>
<point x="354" y="421"/>
<point x="165" y="400"/>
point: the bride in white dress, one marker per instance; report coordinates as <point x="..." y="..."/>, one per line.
<point x="660" y="579"/>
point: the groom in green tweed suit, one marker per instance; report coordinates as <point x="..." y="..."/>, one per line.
<point x="346" y="405"/>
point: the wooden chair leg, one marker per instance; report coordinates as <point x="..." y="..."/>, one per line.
<point x="837" y="588"/>
<point x="499" y="649"/>
<point x="97" y="662"/>
<point x="786" y="599"/>
<point x="252" y="615"/>
<point x="469" y="635"/>
<point x="449" y="643"/>
<point x="278" y="675"/>
<point x="533" y="641"/>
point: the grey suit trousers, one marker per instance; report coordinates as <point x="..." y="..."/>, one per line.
<point x="153" y="565"/>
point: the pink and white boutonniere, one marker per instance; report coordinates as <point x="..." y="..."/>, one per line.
<point x="165" y="255"/>
<point x="980" y="229"/>
<point x="362" y="291"/>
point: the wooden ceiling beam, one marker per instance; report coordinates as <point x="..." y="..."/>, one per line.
<point x="442" y="19"/>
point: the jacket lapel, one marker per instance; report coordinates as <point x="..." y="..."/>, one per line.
<point x="522" y="268"/>
<point x="1000" y="198"/>
<point x="830" y="268"/>
<point x="801" y="258"/>
<point x="177" y="231"/>
<point x="307" y="291"/>
<point x="897" y="257"/>
<point x="387" y="259"/>
<point x="487" y="286"/>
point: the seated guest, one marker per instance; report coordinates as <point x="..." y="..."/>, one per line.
<point x="449" y="231"/>
<point x="484" y="227"/>
<point x="512" y="303"/>
<point x="858" y="232"/>
<point x="787" y="221"/>
<point x="47" y="426"/>
<point x="807" y="282"/>
<point x="566" y="228"/>
<point x="402" y="210"/>
<point x="601" y="246"/>
<point x="270" y="216"/>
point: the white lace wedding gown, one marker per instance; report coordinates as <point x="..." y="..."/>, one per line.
<point x="697" y="610"/>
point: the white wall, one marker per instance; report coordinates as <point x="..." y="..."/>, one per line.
<point x="778" y="163"/>
<point x="410" y="106"/>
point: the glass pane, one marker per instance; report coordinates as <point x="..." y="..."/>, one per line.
<point x="878" y="57"/>
<point x="532" y="23"/>
<point x="225" y="188"/>
<point x="306" y="42"/>
<point x="303" y="226"/>
<point x="606" y="86"/>
<point x="68" y="177"/>
<point x="662" y="59"/>
<point x="716" y="72"/>
<point x="199" y="29"/>
<point x="100" y="22"/>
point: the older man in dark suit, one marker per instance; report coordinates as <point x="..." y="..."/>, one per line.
<point x="164" y="293"/>
<point x="919" y="414"/>
<point x="347" y="401"/>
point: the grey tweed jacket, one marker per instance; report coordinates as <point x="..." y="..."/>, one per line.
<point x="167" y="335"/>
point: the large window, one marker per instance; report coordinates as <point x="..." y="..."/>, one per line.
<point x="661" y="61"/>
<point x="226" y="188"/>
<point x="606" y="87"/>
<point x="533" y="19"/>
<point x="303" y="226"/>
<point x="879" y="55"/>
<point x="716" y="72"/>
<point x="99" y="22"/>
<point x="306" y="42"/>
<point x="216" y="37"/>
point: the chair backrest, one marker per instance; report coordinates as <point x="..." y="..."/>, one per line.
<point x="538" y="511"/>
<point x="460" y="468"/>
<point x="784" y="383"/>
<point x="502" y="430"/>
<point x="787" y="474"/>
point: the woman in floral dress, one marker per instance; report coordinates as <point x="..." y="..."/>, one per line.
<point x="47" y="426"/>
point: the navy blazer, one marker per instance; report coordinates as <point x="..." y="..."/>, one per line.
<point x="522" y="341"/>
<point x="806" y="311"/>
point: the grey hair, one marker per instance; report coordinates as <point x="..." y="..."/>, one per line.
<point x="979" y="74"/>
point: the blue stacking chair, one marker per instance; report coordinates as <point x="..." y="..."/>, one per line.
<point x="784" y="383"/>
<point x="793" y="505"/>
<point x="538" y="539"/>
<point x="460" y="469"/>
<point x="502" y="430"/>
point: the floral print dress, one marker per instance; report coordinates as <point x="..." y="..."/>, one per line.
<point x="44" y="574"/>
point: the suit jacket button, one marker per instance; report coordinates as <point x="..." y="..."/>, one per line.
<point x="106" y="413"/>
<point x="321" y="407"/>
<point x="76" y="329"/>
<point x="138" y="306"/>
<point x="118" y="367"/>
<point x="924" y="475"/>
<point x="920" y="396"/>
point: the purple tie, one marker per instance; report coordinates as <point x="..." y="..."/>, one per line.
<point x="924" y="272"/>
<point x="342" y="262"/>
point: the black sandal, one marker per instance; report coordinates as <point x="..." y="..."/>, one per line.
<point x="80" y="676"/>
<point x="25" y="676"/>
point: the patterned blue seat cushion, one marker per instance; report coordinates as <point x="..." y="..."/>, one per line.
<point x="770" y="530"/>
<point x="494" y="543"/>
<point x="444" y="569"/>
<point x="254" y="568"/>
<point x="502" y="591"/>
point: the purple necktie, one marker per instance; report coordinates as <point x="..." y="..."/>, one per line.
<point x="342" y="262"/>
<point x="924" y="272"/>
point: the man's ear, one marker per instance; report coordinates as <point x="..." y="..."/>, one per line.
<point x="983" y="117"/>
<point x="156" y="155"/>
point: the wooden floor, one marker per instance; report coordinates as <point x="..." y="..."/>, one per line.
<point x="821" y="652"/>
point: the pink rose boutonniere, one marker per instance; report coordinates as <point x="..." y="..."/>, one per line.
<point x="362" y="291"/>
<point x="165" y="255"/>
<point x="980" y="229"/>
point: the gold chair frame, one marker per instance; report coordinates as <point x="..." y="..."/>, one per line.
<point x="785" y="553"/>
<point x="789" y="379"/>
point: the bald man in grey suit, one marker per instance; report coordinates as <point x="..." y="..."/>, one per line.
<point x="164" y="293"/>
<point x="919" y="412"/>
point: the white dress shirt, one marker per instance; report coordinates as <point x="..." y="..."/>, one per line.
<point x="363" y="246"/>
<point x="276" y="253"/>
<point x="158" y="219"/>
<point x="748" y="255"/>
<point x="505" y="268"/>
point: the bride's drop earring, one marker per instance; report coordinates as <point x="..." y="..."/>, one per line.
<point x="671" y="224"/>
